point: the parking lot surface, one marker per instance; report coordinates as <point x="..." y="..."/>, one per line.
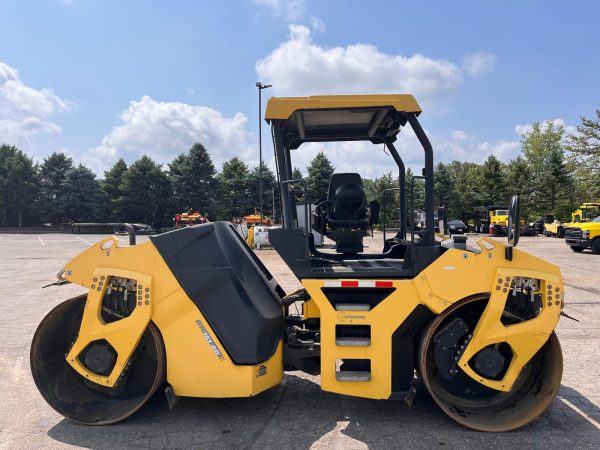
<point x="296" y="414"/>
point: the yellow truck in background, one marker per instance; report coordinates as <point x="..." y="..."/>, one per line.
<point x="494" y="220"/>
<point x="584" y="235"/>
<point x="586" y="213"/>
<point x="488" y="216"/>
<point x="499" y="217"/>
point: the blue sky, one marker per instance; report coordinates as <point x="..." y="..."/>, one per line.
<point x="101" y="79"/>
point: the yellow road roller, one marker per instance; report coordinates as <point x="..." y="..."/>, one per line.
<point x="195" y="313"/>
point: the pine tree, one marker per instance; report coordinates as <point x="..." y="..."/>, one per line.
<point x="18" y="186"/>
<point x="177" y="175"/>
<point x="232" y="193"/>
<point x="388" y="201"/>
<point x="518" y="180"/>
<point x="544" y="150"/>
<point x="585" y="144"/>
<point x="585" y="157"/>
<point x="493" y="181"/>
<point x="145" y="193"/>
<point x="297" y="175"/>
<point x="418" y="194"/>
<point x="252" y="188"/>
<point x="467" y="194"/>
<point x="111" y="186"/>
<point x="194" y="180"/>
<point x="7" y="152"/>
<point x="82" y="197"/>
<point x="518" y="176"/>
<point x="443" y="185"/>
<point x="319" y="175"/>
<point x="53" y="173"/>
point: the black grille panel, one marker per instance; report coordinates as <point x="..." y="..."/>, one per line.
<point x="573" y="235"/>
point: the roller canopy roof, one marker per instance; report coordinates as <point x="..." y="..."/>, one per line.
<point x="376" y="118"/>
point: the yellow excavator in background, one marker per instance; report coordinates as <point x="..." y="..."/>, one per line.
<point x="586" y="213"/>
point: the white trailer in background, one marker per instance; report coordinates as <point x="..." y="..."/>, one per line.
<point x="302" y="220"/>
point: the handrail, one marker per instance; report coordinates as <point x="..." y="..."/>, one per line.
<point x="130" y="232"/>
<point x="127" y="226"/>
<point x="428" y="238"/>
<point x="402" y="188"/>
<point x="412" y="207"/>
<point x="307" y="211"/>
<point x="384" y="197"/>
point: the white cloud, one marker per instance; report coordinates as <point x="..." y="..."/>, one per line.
<point x="371" y="161"/>
<point x="301" y="67"/>
<point x="503" y="150"/>
<point x="165" y="129"/>
<point x="463" y="146"/>
<point x="317" y="25"/>
<point x="288" y="10"/>
<point x="479" y="63"/>
<point x="523" y="129"/>
<point x="459" y="135"/>
<point x="25" y="111"/>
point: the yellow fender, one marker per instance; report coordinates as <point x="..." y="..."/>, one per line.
<point x="197" y="364"/>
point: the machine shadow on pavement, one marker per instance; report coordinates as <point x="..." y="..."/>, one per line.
<point x="297" y="414"/>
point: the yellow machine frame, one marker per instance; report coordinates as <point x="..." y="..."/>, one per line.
<point x="190" y="342"/>
<point x="438" y="287"/>
<point x="198" y="366"/>
<point x="184" y="279"/>
<point x="284" y="107"/>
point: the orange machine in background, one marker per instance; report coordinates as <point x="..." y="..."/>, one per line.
<point x="255" y="219"/>
<point x="189" y="218"/>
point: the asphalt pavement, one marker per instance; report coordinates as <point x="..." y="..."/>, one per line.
<point x="296" y="414"/>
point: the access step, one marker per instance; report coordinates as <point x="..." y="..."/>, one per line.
<point x="353" y="375"/>
<point x="353" y="341"/>
<point x="352" y="307"/>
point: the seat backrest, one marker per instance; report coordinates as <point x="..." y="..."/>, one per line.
<point x="347" y="197"/>
<point x="338" y="179"/>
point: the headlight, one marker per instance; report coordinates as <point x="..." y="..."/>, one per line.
<point x="586" y="234"/>
<point x="452" y="227"/>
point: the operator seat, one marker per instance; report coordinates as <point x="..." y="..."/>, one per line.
<point x="343" y="216"/>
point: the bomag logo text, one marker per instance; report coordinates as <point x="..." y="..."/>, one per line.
<point x="208" y="338"/>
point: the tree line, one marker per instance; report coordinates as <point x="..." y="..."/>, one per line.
<point x="56" y="191"/>
<point x="554" y="173"/>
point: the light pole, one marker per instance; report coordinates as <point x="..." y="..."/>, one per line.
<point x="260" y="87"/>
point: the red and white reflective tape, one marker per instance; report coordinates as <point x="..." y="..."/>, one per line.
<point x="365" y="284"/>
